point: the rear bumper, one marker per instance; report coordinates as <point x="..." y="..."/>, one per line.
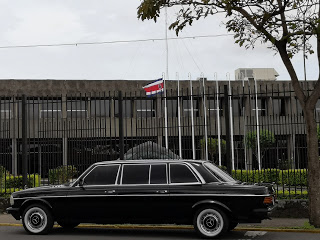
<point x="15" y="212"/>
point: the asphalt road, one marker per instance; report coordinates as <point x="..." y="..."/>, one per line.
<point x="18" y="233"/>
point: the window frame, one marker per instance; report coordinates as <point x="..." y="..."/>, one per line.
<point x="116" y="181"/>
<point x="190" y="169"/>
<point x="144" y="184"/>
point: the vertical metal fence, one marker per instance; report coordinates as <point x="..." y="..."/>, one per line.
<point x="257" y="130"/>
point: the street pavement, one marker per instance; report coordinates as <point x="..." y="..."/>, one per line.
<point x="269" y="229"/>
<point x="274" y="223"/>
<point x="18" y="233"/>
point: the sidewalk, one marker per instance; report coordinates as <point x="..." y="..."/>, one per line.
<point x="274" y="223"/>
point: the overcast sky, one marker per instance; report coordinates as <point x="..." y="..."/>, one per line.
<point x="74" y="21"/>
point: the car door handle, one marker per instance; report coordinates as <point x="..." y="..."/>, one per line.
<point x="162" y="191"/>
<point x="110" y="191"/>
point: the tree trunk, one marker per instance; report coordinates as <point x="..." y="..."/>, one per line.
<point x="313" y="167"/>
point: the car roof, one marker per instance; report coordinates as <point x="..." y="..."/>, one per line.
<point x="149" y="161"/>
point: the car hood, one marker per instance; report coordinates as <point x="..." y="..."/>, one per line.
<point x="45" y="190"/>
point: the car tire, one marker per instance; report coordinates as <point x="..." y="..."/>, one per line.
<point x="68" y="225"/>
<point x="37" y="219"/>
<point x="210" y="222"/>
<point x="232" y="225"/>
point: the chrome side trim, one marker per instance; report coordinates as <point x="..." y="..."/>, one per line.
<point x="142" y="195"/>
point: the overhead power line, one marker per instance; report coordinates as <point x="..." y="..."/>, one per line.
<point x="113" y="42"/>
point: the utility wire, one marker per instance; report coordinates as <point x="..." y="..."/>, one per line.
<point x="113" y="42"/>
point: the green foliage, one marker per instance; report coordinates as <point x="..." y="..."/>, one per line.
<point x="292" y="194"/>
<point x="62" y="174"/>
<point x="292" y="177"/>
<point x="213" y="146"/>
<point x="318" y="133"/>
<point x="3" y="174"/>
<point x="15" y="182"/>
<point x="266" y="139"/>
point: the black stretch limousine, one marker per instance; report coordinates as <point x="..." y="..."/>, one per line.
<point x="145" y="191"/>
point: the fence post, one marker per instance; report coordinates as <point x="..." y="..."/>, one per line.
<point x="227" y="126"/>
<point x="24" y="142"/>
<point x="121" y="136"/>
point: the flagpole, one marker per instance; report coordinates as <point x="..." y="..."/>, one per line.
<point x="165" y="112"/>
<point x="205" y="115"/>
<point x="218" y="118"/>
<point x="164" y="81"/>
<point x="258" y="127"/>
<point x="231" y="124"/>
<point x="179" y="117"/>
<point x="192" y="120"/>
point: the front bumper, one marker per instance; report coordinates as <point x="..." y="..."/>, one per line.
<point x="15" y="212"/>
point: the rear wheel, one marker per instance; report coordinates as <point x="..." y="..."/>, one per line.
<point x="37" y="219"/>
<point x="210" y="222"/>
<point x="68" y="225"/>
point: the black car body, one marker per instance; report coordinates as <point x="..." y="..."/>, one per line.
<point x="145" y="191"/>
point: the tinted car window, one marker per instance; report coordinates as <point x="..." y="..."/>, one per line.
<point x="207" y="176"/>
<point x="135" y="174"/>
<point x="102" y="175"/>
<point x="181" y="174"/>
<point x="158" y="174"/>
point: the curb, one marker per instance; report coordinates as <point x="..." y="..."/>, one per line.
<point x="174" y="228"/>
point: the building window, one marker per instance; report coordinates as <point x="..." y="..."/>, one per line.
<point x="212" y="107"/>
<point x="126" y="108"/>
<point x="100" y="107"/>
<point x="51" y="108"/>
<point x="237" y="107"/>
<point x="145" y="108"/>
<point x="187" y="108"/>
<point x="279" y="105"/>
<point x="172" y="107"/>
<point x="6" y="108"/>
<point x="261" y="108"/>
<point x="77" y="108"/>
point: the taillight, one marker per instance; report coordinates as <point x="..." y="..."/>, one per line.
<point x="268" y="200"/>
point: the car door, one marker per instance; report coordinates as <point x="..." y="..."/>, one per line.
<point x="144" y="193"/>
<point x="185" y="191"/>
<point x="96" y="200"/>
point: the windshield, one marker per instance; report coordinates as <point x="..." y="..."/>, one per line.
<point x="218" y="173"/>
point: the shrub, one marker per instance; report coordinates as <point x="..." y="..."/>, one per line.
<point x="292" y="177"/>
<point x="62" y="174"/>
<point x="3" y="174"/>
<point x="15" y="182"/>
<point x="292" y="194"/>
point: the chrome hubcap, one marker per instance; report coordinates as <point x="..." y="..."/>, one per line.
<point x="210" y="222"/>
<point x="35" y="220"/>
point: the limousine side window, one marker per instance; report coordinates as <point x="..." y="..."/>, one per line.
<point x="158" y="174"/>
<point x="180" y="173"/>
<point x="102" y="175"/>
<point x="135" y="174"/>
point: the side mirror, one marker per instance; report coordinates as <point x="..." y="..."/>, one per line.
<point x="81" y="182"/>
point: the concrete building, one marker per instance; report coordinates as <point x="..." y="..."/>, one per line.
<point x="77" y="121"/>
<point x="262" y="74"/>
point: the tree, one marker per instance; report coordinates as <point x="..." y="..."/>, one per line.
<point x="213" y="147"/>
<point x="266" y="137"/>
<point x="285" y="25"/>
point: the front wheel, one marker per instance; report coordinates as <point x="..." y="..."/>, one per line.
<point x="37" y="219"/>
<point x="210" y="222"/>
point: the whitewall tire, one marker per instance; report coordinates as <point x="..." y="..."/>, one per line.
<point x="210" y="222"/>
<point x="37" y="219"/>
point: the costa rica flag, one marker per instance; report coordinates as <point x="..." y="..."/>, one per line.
<point x="154" y="87"/>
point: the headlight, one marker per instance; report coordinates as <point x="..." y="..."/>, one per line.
<point x="11" y="200"/>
